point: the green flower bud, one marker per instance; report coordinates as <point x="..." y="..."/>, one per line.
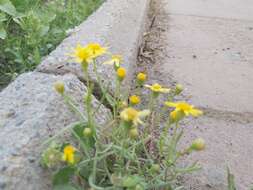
<point x="51" y="157"/>
<point x="155" y="168"/>
<point x="198" y="144"/>
<point x="87" y="132"/>
<point x="179" y="88"/>
<point x="59" y="87"/>
<point x="133" y="133"/>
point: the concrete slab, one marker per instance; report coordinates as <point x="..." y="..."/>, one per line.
<point x="233" y="9"/>
<point x="213" y="59"/>
<point x="117" y="24"/>
<point x="30" y="112"/>
<point x="228" y="144"/>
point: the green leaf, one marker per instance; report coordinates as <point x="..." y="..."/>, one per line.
<point x="44" y="30"/>
<point x="131" y="181"/>
<point x="231" y="180"/>
<point x="3" y="32"/>
<point x="2" y="17"/>
<point x="64" y="187"/>
<point x="63" y="176"/>
<point x="7" y="7"/>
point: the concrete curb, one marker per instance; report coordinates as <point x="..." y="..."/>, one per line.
<point x="118" y="24"/>
<point x="31" y="111"/>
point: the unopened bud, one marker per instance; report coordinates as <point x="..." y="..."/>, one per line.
<point x="59" y="87"/>
<point x="133" y="133"/>
<point x="198" y="144"/>
<point x="121" y="73"/>
<point x="179" y="88"/>
<point x="155" y="168"/>
<point x="87" y="132"/>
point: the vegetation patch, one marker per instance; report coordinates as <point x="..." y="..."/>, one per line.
<point x="31" y="29"/>
<point x="135" y="150"/>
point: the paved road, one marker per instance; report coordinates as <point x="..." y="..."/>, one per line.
<point x="207" y="45"/>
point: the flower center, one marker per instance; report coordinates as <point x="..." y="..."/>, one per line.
<point x="184" y="106"/>
<point x="157" y="87"/>
<point x="132" y="114"/>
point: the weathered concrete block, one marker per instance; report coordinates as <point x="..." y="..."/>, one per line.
<point x="117" y="24"/>
<point x="30" y="112"/>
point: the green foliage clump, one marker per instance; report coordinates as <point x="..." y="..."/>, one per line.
<point x="134" y="150"/>
<point x="31" y="29"/>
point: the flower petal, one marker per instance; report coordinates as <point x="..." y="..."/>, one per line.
<point x="171" y="104"/>
<point x="195" y="112"/>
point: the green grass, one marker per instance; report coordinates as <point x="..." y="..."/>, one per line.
<point x="31" y="29"/>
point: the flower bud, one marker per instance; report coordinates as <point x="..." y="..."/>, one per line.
<point x="59" y="87"/>
<point x="141" y="77"/>
<point x="179" y="88"/>
<point x="134" y="99"/>
<point x="123" y="104"/>
<point x="155" y="168"/>
<point x="51" y="157"/>
<point x="121" y="73"/>
<point x="198" y="144"/>
<point x="87" y="132"/>
<point x="133" y="133"/>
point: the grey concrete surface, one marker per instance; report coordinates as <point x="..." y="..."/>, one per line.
<point x="117" y="24"/>
<point x="211" y="55"/>
<point x="221" y="74"/>
<point x="30" y="112"/>
<point x="233" y="9"/>
<point x="228" y="145"/>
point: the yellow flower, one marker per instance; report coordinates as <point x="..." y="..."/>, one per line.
<point x="82" y="54"/>
<point x="134" y="116"/>
<point x="158" y="88"/>
<point x="68" y="154"/>
<point x="96" y="49"/>
<point x="142" y="77"/>
<point x="134" y="99"/>
<point x="121" y="73"/>
<point x="115" y="60"/>
<point x="184" y="107"/>
<point x="59" y="87"/>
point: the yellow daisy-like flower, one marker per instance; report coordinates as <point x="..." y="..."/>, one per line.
<point x="96" y="49"/>
<point x="134" y="99"/>
<point x="115" y="60"/>
<point x="142" y="77"/>
<point x="133" y="115"/>
<point x="158" y="88"/>
<point x="82" y="54"/>
<point x="121" y="73"/>
<point x="68" y="154"/>
<point x="184" y="107"/>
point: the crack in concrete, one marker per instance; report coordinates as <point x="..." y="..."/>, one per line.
<point x="97" y="93"/>
<point x="242" y="118"/>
